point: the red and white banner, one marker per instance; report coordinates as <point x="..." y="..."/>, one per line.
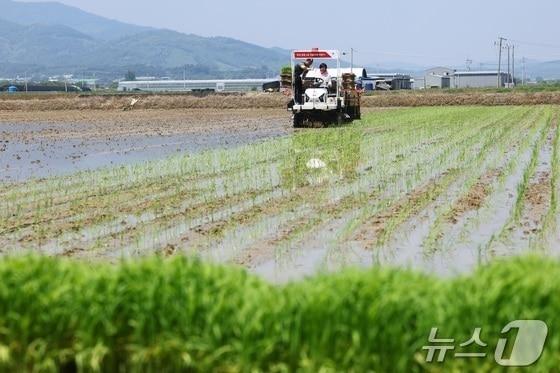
<point x="314" y="54"/>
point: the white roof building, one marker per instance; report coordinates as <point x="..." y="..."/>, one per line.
<point x="217" y="85"/>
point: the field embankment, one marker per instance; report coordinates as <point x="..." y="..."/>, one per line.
<point x="180" y="315"/>
<point x="48" y="102"/>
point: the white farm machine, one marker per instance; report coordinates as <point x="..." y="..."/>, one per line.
<point x="317" y="103"/>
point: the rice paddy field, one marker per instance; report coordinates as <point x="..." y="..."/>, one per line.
<point x="319" y="250"/>
<point x="440" y="189"/>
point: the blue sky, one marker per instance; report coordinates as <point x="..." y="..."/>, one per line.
<point x="412" y="32"/>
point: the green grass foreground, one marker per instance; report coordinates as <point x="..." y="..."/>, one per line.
<point x="181" y="315"/>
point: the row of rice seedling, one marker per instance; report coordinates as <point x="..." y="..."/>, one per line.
<point x="505" y="236"/>
<point x="502" y="155"/>
<point x="340" y="236"/>
<point x="550" y="223"/>
<point x="436" y="176"/>
<point x="517" y="132"/>
<point x="540" y="196"/>
<point x="282" y="192"/>
<point x="242" y="195"/>
<point x="128" y="203"/>
<point x="176" y="170"/>
<point x="351" y="198"/>
<point x="113" y="194"/>
<point x="159" y="315"/>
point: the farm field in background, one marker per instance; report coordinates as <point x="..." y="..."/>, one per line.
<point x="219" y="101"/>
<point x="441" y="189"/>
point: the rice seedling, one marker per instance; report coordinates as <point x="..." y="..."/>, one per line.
<point x="391" y="167"/>
<point x="184" y="315"/>
<point x="481" y="175"/>
<point x="376" y="193"/>
<point x="554" y="181"/>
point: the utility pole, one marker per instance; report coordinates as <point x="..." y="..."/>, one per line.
<point x="468" y="64"/>
<point x="500" y="42"/>
<point x="352" y="60"/>
<point x="509" y="71"/>
<point x="523" y="76"/>
<point x="513" y="64"/>
<point x="352" y="50"/>
<point x="184" y="77"/>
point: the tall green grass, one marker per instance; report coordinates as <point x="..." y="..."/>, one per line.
<point x="159" y="315"/>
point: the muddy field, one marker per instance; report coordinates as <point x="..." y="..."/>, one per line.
<point x="438" y="189"/>
<point x="49" y="102"/>
<point x="47" y="143"/>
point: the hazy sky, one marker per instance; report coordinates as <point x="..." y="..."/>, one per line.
<point x="410" y="31"/>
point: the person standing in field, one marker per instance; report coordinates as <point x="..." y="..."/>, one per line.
<point x="300" y="71"/>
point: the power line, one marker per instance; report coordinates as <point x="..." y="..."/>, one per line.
<point x="413" y="55"/>
<point x="536" y="44"/>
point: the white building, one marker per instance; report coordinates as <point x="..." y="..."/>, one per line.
<point x="444" y="77"/>
<point x="437" y="77"/>
<point x="480" y="79"/>
<point x="225" y="85"/>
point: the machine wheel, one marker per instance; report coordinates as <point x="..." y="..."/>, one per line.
<point x="298" y="120"/>
<point x="339" y="118"/>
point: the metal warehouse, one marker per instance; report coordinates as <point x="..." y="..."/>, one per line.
<point x="228" y="85"/>
<point x="437" y="77"/>
<point x="479" y="79"/>
<point x="443" y="77"/>
<point x="436" y="81"/>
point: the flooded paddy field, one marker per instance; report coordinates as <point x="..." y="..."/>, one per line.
<point x="42" y="144"/>
<point x="437" y="189"/>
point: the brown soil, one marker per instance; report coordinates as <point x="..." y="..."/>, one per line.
<point x="92" y="124"/>
<point x="124" y="102"/>
<point x="538" y="198"/>
<point x="408" y="206"/>
<point x="539" y="192"/>
<point x="57" y="102"/>
<point x="475" y="197"/>
<point x="37" y="144"/>
<point x="379" y="223"/>
<point x="264" y="250"/>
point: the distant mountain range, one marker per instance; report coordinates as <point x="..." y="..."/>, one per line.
<point x="546" y="70"/>
<point x="42" y="39"/>
<point x="51" y="13"/>
<point x="51" y="38"/>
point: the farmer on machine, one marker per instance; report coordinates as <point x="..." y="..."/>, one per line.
<point x="325" y="76"/>
<point x="300" y="71"/>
